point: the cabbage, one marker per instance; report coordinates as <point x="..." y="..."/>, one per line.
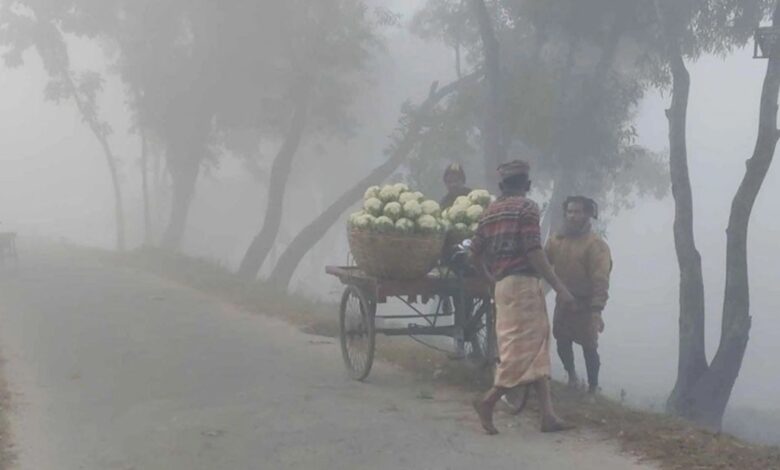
<point x="431" y="208"/>
<point x="445" y="213"/>
<point x="373" y="206"/>
<point x="373" y="191"/>
<point x="389" y="194"/>
<point x="404" y="225"/>
<point x="474" y="213"/>
<point x="401" y="188"/>
<point x="383" y="224"/>
<point x="445" y="225"/>
<point x="420" y="196"/>
<point x="480" y="197"/>
<point x="427" y="223"/>
<point x="473" y="227"/>
<point x="407" y="196"/>
<point x="461" y="229"/>
<point x="457" y="214"/>
<point x="462" y="201"/>
<point x="393" y="210"/>
<point x="354" y="216"/>
<point x="363" y="222"/>
<point x="412" y="209"/>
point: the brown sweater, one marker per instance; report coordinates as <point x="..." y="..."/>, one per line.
<point x="584" y="264"/>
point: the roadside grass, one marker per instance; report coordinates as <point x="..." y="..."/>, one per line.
<point x="7" y="455"/>
<point x="670" y="442"/>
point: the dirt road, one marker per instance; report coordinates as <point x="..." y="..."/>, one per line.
<point x="112" y="369"/>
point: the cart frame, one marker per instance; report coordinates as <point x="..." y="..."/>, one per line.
<point x="465" y="300"/>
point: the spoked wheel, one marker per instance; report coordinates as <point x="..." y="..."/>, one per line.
<point x="480" y="340"/>
<point x="356" y="322"/>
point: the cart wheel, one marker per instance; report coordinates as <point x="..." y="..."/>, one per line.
<point x="481" y="337"/>
<point x="356" y="322"/>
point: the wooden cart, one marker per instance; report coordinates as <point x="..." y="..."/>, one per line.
<point x="465" y="303"/>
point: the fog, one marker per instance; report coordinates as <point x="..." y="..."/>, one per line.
<point x="54" y="184"/>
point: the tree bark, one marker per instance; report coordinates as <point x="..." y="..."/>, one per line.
<point x="262" y="244"/>
<point x="692" y="359"/>
<point x="553" y="215"/>
<point x="493" y="139"/>
<point x="312" y="233"/>
<point x="711" y="394"/>
<point x="145" y="189"/>
<point x="100" y="134"/>
<point x="184" y="175"/>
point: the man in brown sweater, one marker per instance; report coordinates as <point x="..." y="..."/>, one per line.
<point x="582" y="260"/>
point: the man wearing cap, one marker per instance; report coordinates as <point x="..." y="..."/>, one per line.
<point x="581" y="258"/>
<point x="508" y="242"/>
<point x="455" y="181"/>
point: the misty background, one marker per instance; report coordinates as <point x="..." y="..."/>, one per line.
<point x="54" y="184"/>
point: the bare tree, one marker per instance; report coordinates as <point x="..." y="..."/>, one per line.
<point x="703" y="390"/>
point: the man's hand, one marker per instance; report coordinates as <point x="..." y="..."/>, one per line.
<point x="566" y="299"/>
<point x="597" y="321"/>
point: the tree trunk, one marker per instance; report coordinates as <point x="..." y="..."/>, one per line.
<point x="493" y="137"/>
<point x="553" y="215"/>
<point x="145" y="189"/>
<point x="692" y="359"/>
<point x="312" y="233"/>
<point x="280" y="174"/>
<point x="566" y="182"/>
<point x="100" y="134"/>
<point x="711" y="394"/>
<point x="184" y="175"/>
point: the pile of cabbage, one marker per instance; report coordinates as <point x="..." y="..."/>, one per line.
<point x="394" y="208"/>
<point x="463" y="216"/>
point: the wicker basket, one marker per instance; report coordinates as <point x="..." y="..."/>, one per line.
<point x="396" y="256"/>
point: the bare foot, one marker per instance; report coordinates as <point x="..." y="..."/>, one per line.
<point x="485" y="417"/>
<point x="555" y="425"/>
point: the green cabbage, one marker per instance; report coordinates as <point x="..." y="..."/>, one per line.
<point x="462" y="201"/>
<point x="393" y="210"/>
<point x="474" y="213"/>
<point x="480" y="197"/>
<point x="363" y="222"/>
<point x="373" y="191"/>
<point x="407" y="196"/>
<point x="427" y="224"/>
<point x="431" y="208"/>
<point x="389" y="194"/>
<point x="457" y="214"/>
<point x="384" y="224"/>
<point x="404" y="225"/>
<point x="373" y="206"/>
<point x="412" y="209"/>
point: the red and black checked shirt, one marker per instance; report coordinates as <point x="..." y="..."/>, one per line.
<point x="508" y="230"/>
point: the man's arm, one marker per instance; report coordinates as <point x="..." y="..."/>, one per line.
<point x="538" y="260"/>
<point x="548" y="249"/>
<point x="600" y="268"/>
